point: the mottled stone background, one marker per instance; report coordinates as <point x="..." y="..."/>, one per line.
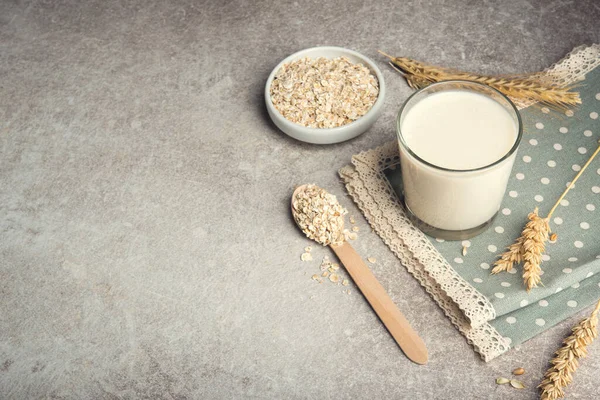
<point x="146" y="247"/>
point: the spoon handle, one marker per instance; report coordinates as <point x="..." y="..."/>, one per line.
<point x="395" y="322"/>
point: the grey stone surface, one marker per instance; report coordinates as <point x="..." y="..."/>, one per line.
<point x="146" y="246"/>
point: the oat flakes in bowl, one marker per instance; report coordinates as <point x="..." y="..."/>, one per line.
<point x="325" y="95"/>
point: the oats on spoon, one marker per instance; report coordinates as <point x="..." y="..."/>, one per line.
<point x="318" y="214"/>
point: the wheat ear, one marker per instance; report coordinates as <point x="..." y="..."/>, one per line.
<point x="528" y="87"/>
<point x="534" y="238"/>
<point x="566" y="361"/>
<point x="509" y="258"/>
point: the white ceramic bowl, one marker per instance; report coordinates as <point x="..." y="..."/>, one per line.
<point x="327" y="135"/>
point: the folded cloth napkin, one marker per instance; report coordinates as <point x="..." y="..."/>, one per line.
<point x="495" y="312"/>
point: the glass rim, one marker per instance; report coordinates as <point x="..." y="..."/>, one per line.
<point x="510" y="152"/>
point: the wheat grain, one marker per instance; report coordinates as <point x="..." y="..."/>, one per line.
<point x="565" y="363"/>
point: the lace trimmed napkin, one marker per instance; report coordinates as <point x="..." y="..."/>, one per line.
<point x="495" y="313"/>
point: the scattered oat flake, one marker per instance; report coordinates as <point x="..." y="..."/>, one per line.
<point x="348" y="235"/>
<point x="330" y="269"/>
<point x="308" y="249"/>
<point x="372" y="260"/>
<point x="345" y="282"/>
<point x="352" y="220"/>
<point x="355" y="229"/>
<point x="335" y="266"/>
<point x="502" y="381"/>
<point x="325" y="274"/>
<point x="306" y="257"/>
<point x="335" y="278"/>
<point x="348" y="291"/>
<point x="553" y="237"/>
<point x="315" y="277"/>
<point x="464" y="251"/>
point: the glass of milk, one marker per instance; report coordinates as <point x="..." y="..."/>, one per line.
<point x="458" y="141"/>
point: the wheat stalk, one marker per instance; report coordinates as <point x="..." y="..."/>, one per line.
<point x="523" y="87"/>
<point x="566" y="361"/>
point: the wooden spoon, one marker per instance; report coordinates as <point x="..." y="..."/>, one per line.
<point x="395" y="322"/>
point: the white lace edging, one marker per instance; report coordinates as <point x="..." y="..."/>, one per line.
<point x="469" y="310"/>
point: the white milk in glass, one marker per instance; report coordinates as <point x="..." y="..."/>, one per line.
<point x="456" y="131"/>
